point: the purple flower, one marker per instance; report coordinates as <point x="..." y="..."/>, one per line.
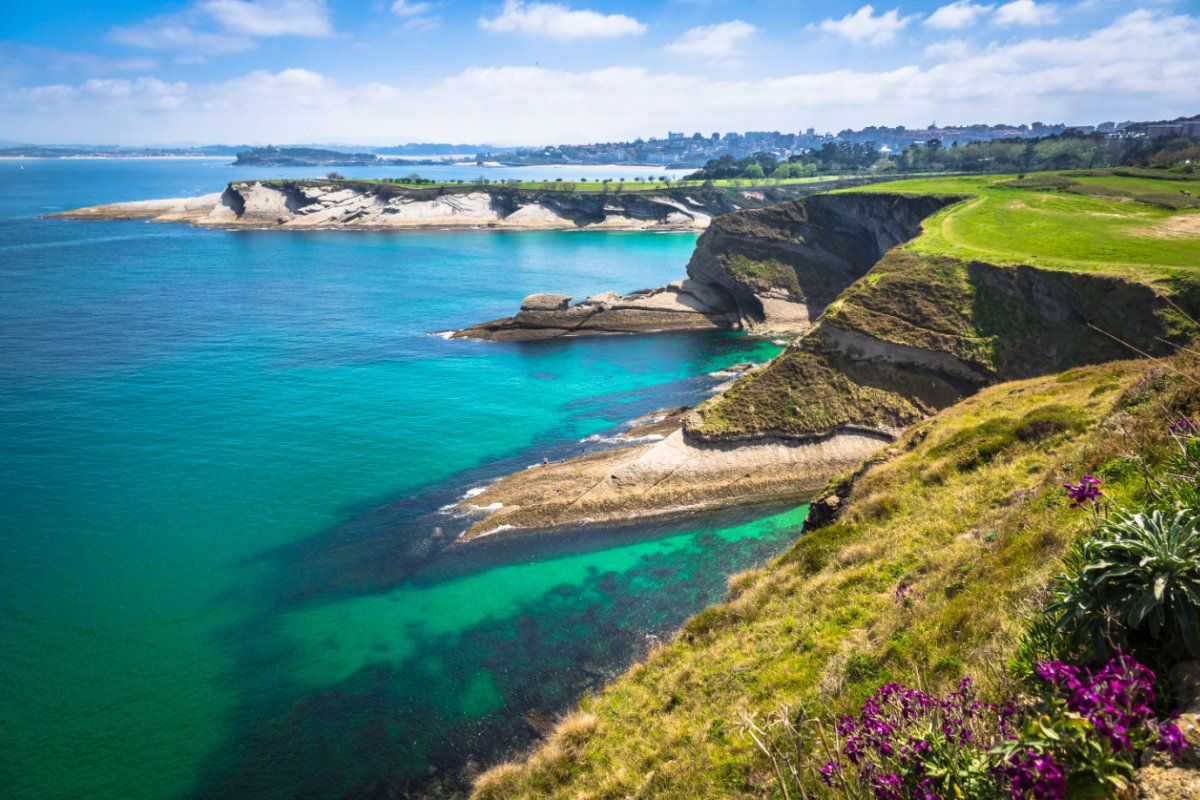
<point x="1170" y="738"/>
<point x="1086" y="492"/>
<point x="1115" y="699"/>
<point x="1183" y="426"/>
<point x="830" y="771"/>
<point x="1036" y="776"/>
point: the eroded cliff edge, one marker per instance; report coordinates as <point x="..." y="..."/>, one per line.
<point x="912" y="336"/>
<point x="771" y="270"/>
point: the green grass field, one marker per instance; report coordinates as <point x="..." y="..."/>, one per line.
<point x="1108" y="223"/>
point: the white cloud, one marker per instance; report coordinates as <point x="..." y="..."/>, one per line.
<point x="404" y="8"/>
<point x="957" y="15"/>
<point x="271" y="17"/>
<point x="1026" y="12"/>
<point x="1138" y="67"/>
<point x="226" y="26"/>
<point x="949" y="49"/>
<point x="864" y="26"/>
<point x="422" y="24"/>
<point x="175" y="33"/>
<point x="721" y="39"/>
<point x="559" y="22"/>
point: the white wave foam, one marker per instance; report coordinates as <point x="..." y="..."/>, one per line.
<point x="596" y="438"/>
<point x="497" y="529"/>
<point x="443" y="334"/>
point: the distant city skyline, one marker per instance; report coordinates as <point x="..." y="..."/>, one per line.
<point x="516" y="72"/>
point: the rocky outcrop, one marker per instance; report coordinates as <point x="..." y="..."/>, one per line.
<point x="785" y="264"/>
<point x="683" y="305"/>
<point x="673" y="474"/>
<point x="304" y="204"/>
<point x="1166" y="776"/>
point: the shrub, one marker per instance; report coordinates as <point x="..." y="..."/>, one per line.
<point x="1141" y="571"/>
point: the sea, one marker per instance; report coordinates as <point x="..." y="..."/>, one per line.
<point x="228" y="466"/>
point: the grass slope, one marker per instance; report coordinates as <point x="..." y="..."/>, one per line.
<point x="1093" y="222"/>
<point x="937" y="551"/>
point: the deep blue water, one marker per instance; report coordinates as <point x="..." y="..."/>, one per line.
<point x="223" y="456"/>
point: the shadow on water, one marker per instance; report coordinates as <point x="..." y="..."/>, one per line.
<point x="458" y="699"/>
<point x="392" y="540"/>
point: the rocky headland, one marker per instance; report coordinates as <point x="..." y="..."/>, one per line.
<point x="374" y="205"/>
<point x="769" y="271"/>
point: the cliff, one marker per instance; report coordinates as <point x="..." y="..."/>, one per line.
<point x="784" y="264"/>
<point x="918" y="333"/>
<point x="770" y="270"/>
<point x="309" y="204"/>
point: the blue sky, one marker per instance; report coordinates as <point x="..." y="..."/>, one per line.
<point x="521" y="71"/>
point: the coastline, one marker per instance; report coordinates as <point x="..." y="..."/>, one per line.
<point x="655" y="470"/>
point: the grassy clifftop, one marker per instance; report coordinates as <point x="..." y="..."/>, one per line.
<point x="1132" y="225"/>
<point x="938" y="550"/>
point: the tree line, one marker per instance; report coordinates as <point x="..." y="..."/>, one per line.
<point x="1069" y="150"/>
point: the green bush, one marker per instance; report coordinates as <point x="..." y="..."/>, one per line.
<point x="1137" y="580"/>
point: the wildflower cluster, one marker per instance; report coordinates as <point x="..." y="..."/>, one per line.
<point x="1116" y="700"/>
<point x="908" y="744"/>
<point x="1085" y="731"/>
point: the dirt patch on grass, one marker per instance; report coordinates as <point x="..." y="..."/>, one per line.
<point x="1181" y="226"/>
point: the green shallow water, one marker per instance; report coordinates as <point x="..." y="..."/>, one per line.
<point x="224" y="457"/>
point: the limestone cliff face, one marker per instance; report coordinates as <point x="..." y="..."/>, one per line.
<point x="769" y="270"/>
<point x="374" y="205"/>
<point x="784" y="264"/>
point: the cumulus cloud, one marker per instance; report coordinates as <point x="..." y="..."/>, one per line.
<point x="559" y="22"/>
<point x="1026" y="12"/>
<point x="721" y="39"/>
<point x="176" y="33"/>
<point x="1137" y="67"/>
<point x="864" y="26"/>
<point x="271" y="17"/>
<point x="227" y="26"/>
<point x="957" y="15"/>
<point x="949" y="49"/>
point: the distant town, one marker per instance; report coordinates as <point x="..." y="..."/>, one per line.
<point x="675" y="150"/>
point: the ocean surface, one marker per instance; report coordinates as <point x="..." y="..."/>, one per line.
<point x="226" y="457"/>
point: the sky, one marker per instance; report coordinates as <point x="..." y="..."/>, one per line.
<point x="507" y="72"/>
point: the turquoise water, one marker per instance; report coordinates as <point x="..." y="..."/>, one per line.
<point x="224" y="455"/>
